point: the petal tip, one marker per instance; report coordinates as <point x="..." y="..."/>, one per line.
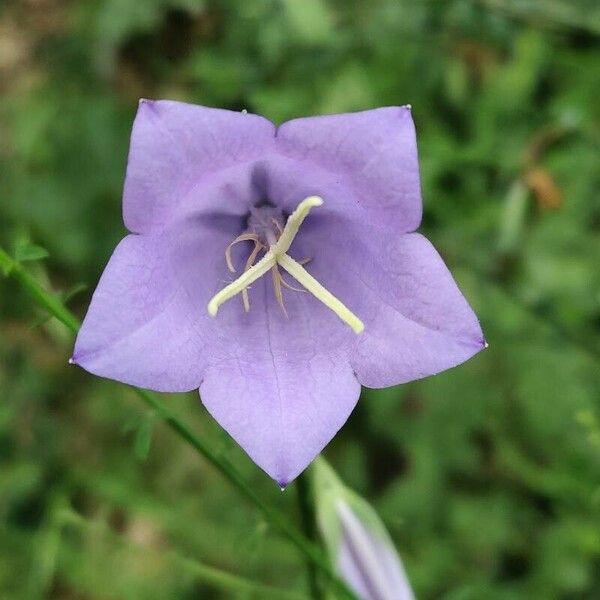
<point x="479" y="343"/>
<point x="149" y="104"/>
<point x="75" y="358"/>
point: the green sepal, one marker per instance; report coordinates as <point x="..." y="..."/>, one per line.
<point x="329" y="491"/>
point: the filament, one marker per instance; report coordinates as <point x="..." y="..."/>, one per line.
<point x="275" y="257"/>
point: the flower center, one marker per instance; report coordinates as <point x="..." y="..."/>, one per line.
<point x="266" y="230"/>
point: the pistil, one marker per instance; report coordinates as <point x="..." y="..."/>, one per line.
<point x="276" y="256"/>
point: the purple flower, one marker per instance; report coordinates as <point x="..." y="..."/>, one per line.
<point x="358" y="544"/>
<point x="367" y="559"/>
<point x="209" y="191"/>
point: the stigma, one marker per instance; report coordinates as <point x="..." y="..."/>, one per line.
<point x="271" y="236"/>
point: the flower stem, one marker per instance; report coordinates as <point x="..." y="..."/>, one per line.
<point x="50" y="302"/>
<point x="307" y="519"/>
<point x="53" y="305"/>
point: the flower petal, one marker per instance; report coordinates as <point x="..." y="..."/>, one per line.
<point x="175" y="147"/>
<point x="367" y="559"/>
<point x="147" y="324"/>
<point x="372" y="156"/>
<point x="420" y="323"/>
<point x="417" y="322"/>
<point x="285" y="387"/>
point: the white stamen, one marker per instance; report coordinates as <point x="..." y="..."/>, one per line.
<point x="276" y="255"/>
<point x="293" y="223"/>
<point x="242" y="282"/>
<point x="300" y="274"/>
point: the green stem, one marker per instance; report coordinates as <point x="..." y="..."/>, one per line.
<point x="307" y="519"/>
<point x="54" y="306"/>
<point x="50" y="302"/>
<point x="214" y="577"/>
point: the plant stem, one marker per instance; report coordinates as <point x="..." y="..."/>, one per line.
<point x="49" y="301"/>
<point x="307" y="519"/>
<point x="312" y="553"/>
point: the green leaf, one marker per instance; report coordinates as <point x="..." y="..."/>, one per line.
<point x="143" y="437"/>
<point x="25" y="252"/>
<point x="512" y="221"/>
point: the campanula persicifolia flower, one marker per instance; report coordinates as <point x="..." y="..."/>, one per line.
<point x="358" y="544"/>
<point x="275" y="269"/>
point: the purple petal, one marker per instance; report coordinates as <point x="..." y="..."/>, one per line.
<point x="284" y="386"/>
<point x="368" y="561"/>
<point x="417" y="322"/>
<point x="175" y="147"/>
<point x="372" y="155"/>
<point x="147" y="324"/>
<point x="281" y="387"/>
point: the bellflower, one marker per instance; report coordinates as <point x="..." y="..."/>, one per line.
<point x="275" y="269"/>
<point x="359" y="546"/>
<point x="367" y="559"/>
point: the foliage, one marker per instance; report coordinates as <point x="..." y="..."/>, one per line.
<point x="487" y="476"/>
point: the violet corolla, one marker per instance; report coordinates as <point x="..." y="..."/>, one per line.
<point x="358" y="544"/>
<point x="275" y="269"/>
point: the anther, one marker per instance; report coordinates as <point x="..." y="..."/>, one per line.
<point x="240" y="238"/>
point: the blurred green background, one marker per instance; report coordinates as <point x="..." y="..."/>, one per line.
<point x="487" y="476"/>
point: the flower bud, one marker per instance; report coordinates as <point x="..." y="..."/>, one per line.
<point x="359" y="546"/>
